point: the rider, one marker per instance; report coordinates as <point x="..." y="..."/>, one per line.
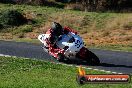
<point x="55" y="31"/>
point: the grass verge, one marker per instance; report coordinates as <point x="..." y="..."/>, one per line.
<point x="113" y="47"/>
<point x="27" y="73"/>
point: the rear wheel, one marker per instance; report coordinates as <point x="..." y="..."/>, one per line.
<point x="92" y="58"/>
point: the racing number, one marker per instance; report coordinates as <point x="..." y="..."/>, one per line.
<point x="78" y="43"/>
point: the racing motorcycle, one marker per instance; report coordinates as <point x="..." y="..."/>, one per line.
<point x="70" y="46"/>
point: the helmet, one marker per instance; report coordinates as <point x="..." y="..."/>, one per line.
<point x="56" y="28"/>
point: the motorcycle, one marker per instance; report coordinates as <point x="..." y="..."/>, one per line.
<point x="70" y="46"/>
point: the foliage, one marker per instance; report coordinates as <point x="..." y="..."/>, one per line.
<point x="12" y="18"/>
<point x="7" y="1"/>
<point x="105" y="5"/>
<point x="88" y="5"/>
<point x="23" y="29"/>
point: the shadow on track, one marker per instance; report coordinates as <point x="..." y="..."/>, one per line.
<point x="78" y="62"/>
<point x="113" y="65"/>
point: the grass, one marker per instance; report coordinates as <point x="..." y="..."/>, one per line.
<point x="27" y="73"/>
<point x="115" y="47"/>
<point x="99" y="30"/>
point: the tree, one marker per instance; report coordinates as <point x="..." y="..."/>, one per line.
<point x="104" y="5"/>
<point x="89" y="5"/>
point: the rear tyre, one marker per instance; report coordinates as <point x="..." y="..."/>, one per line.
<point x="92" y="59"/>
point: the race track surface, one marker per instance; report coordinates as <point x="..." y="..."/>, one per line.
<point x="115" y="61"/>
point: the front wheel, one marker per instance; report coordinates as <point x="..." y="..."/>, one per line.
<point x="62" y="58"/>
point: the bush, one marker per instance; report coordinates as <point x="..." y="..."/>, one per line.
<point x="7" y="1"/>
<point x="1" y="26"/>
<point x="12" y="18"/>
<point x="74" y="6"/>
<point x="27" y="28"/>
<point x="23" y="29"/>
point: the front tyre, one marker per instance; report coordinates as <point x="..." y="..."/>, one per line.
<point x="60" y="57"/>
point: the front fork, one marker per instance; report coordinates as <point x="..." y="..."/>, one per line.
<point x="45" y="49"/>
<point x="55" y="53"/>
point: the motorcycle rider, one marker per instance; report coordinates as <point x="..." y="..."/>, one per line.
<point x="55" y="31"/>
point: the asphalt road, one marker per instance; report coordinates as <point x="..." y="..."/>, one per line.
<point x="116" y="61"/>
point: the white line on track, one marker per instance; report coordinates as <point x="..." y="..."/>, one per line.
<point x="71" y="65"/>
<point x="5" y="55"/>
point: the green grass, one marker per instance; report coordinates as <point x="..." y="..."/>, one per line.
<point x="26" y="40"/>
<point x="27" y="73"/>
<point x="114" y="47"/>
